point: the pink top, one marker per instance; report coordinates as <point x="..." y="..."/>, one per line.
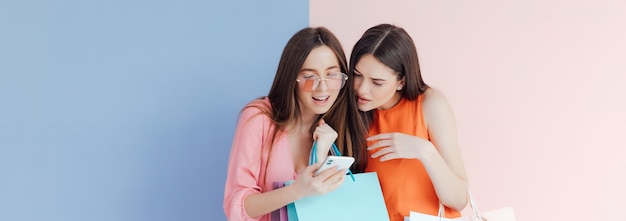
<point x="248" y="160"/>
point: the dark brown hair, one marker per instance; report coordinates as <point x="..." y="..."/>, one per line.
<point x="343" y="116"/>
<point x="395" y="48"/>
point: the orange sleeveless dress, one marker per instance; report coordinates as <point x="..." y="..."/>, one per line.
<point x="405" y="183"/>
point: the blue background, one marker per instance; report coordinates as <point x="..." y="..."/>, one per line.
<point x="125" y="109"/>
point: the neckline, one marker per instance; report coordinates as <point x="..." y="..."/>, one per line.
<point x="400" y="102"/>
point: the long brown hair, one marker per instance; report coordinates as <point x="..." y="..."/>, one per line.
<point x="395" y="48"/>
<point x="343" y="116"/>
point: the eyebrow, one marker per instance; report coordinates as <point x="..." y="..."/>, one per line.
<point x="313" y="70"/>
<point x="375" y="79"/>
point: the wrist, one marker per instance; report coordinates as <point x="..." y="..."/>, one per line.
<point x="428" y="153"/>
<point x="324" y="146"/>
<point x="294" y="192"/>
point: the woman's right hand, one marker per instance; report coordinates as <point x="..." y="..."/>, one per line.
<point x="309" y="185"/>
<point x="325" y="136"/>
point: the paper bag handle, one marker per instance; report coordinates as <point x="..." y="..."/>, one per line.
<point x="472" y="202"/>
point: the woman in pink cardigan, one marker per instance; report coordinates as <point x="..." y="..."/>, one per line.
<point x="274" y="134"/>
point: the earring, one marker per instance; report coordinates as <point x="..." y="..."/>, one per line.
<point x="399" y="87"/>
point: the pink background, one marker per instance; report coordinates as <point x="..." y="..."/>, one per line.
<point x="538" y="88"/>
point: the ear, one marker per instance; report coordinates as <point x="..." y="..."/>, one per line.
<point x="402" y="83"/>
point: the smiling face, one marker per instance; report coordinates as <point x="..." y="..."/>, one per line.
<point x="376" y="84"/>
<point x="320" y="63"/>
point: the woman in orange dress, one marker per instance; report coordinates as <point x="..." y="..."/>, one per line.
<point x="412" y="139"/>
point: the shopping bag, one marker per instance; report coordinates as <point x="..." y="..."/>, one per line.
<point x="279" y="214"/>
<point x="291" y="212"/>
<point x="358" y="198"/>
<point x="504" y="214"/>
<point x="416" y="216"/>
<point x="361" y="199"/>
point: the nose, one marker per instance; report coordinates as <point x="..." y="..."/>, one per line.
<point x="323" y="84"/>
<point x="360" y="87"/>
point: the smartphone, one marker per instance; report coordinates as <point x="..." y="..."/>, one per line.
<point x="342" y="162"/>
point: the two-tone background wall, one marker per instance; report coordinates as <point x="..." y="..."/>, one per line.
<point x="125" y="110"/>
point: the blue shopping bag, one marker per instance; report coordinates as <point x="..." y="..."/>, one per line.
<point x="361" y="199"/>
<point x="358" y="198"/>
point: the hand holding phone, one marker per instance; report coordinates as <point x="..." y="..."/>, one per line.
<point x="342" y="163"/>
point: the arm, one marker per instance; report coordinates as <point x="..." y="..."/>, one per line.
<point x="444" y="162"/>
<point x="259" y="204"/>
<point x="244" y="164"/>
<point x="244" y="198"/>
<point x="305" y="185"/>
<point x="440" y="156"/>
<point x="325" y="136"/>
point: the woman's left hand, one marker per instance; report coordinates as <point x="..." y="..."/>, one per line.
<point x="389" y="146"/>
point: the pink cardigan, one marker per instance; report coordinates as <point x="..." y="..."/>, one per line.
<point x="248" y="159"/>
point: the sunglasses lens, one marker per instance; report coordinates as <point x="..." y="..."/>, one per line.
<point x="309" y="85"/>
<point x="333" y="82"/>
<point x="336" y="81"/>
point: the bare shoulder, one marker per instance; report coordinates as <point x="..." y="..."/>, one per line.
<point x="433" y="98"/>
<point x="436" y="107"/>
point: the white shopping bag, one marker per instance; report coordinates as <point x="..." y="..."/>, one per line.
<point x="502" y="214"/>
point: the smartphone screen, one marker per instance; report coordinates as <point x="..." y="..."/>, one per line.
<point x="342" y="163"/>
